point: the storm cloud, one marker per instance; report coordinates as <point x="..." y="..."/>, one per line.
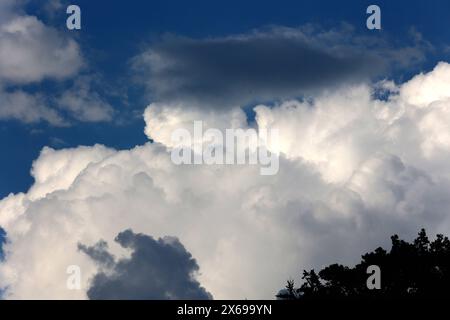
<point x="157" y="269"/>
<point x="264" y="65"/>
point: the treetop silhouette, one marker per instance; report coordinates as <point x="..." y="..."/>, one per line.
<point x="420" y="269"/>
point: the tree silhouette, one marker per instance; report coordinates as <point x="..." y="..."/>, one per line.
<point x="420" y="269"/>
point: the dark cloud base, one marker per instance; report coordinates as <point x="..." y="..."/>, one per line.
<point x="157" y="269"/>
<point x="2" y="243"/>
<point x="265" y="65"/>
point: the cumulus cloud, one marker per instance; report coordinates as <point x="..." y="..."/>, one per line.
<point x="30" y="52"/>
<point x="354" y="169"/>
<point x="28" y="108"/>
<point x="84" y="104"/>
<point x="157" y="269"/>
<point x="264" y="65"/>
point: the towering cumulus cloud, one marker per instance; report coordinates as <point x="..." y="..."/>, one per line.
<point x="354" y="168"/>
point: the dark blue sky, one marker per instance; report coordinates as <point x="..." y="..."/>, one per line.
<point x="115" y="31"/>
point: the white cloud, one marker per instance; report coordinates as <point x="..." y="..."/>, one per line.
<point x="31" y="51"/>
<point x="425" y="89"/>
<point x="28" y="108"/>
<point x="353" y="171"/>
<point x="162" y="119"/>
<point x="84" y="104"/>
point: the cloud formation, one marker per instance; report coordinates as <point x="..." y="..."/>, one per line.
<point x="84" y="104"/>
<point x="354" y="169"/>
<point x="30" y="52"/>
<point x="28" y="108"/>
<point x="2" y="242"/>
<point x="157" y="269"/>
<point x="265" y="65"/>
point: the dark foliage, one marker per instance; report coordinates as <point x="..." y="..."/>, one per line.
<point x="420" y="269"/>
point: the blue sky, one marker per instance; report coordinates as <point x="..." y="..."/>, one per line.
<point x="112" y="33"/>
<point x="361" y="158"/>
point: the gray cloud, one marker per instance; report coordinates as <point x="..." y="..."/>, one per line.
<point x="2" y="242"/>
<point x="85" y="104"/>
<point x="157" y="269"/>
<point x="265" y="65"/>
<point x="28" y="108"/>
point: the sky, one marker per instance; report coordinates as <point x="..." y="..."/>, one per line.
<point x="115" y="32"/>
<point x="86" y="118"/>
